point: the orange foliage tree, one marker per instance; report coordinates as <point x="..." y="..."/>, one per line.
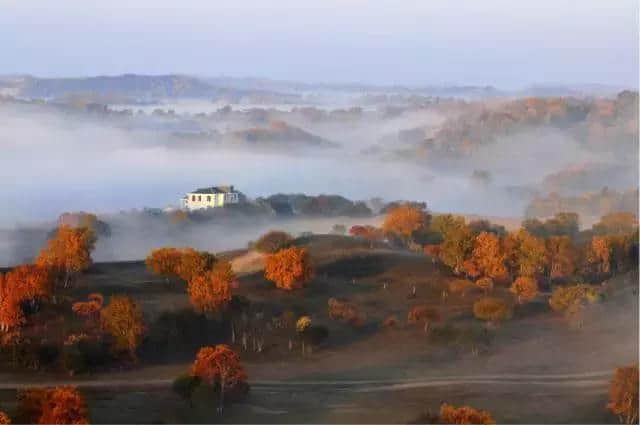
<point x="289" y="268"/>
<point x="59" y="405"/>
<point x="211" y="291"/>
<point x="68" y="253"/>
<point x="164" y="262"/>
<point x="273" y="241"/>
<point x="4" y="418"/>
<point x="525" y="288"/>
<point x="599" y="255"/>
<point x="487" y="257"/>
<point x="491" y="309"/>
<point x="404" y="220"/>
<point x="525" y="255"/>
<point x="560" y="257"/>
<point x="194" y="263"/>
<point x="623" y="394"/>
<point x="346" y="312"/>
<point x="220" y="366"/>
<point x="123" y="320"/>
<point x="30" y="281"/>
<point x="485" y="283"/>
<point x="464" y="415"/>
<point x="90" y="308"/>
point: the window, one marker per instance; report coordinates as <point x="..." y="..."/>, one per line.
<point x="199" y="198"/>
<point x="208" y="198"/>
<point x="193" y="198"/>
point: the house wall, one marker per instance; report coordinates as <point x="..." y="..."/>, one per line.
<point x="196" y="201"/>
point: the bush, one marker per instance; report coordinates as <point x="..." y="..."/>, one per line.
<point x="289" y="268"/>
<point x="85" y="354"/>
<point x="185" y="385"/>
<point x="423" y="314"/>
<point x="345" y="312"/>
<point x="464" y="415"/>
<point x="460" y="286"/>
<point x="492" y="309"/>
<point x="273" y="241"/>
<point x="315" y="335"/>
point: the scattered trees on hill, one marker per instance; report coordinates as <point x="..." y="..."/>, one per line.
<point x="623" y="394"/>
<point x="211" y="291"/>
<point x="273" y="241"/>
<point x="450" y="414"/>
<point x="123" y="320"/>
<point x="493" y="310"/>
<point x="59" y="405"/>
<point x="525" y="289"/>
<point x="289" y="268"/>
<point x="68" y="253"/>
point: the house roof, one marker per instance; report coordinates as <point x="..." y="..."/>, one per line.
<point x="214" y="189"/>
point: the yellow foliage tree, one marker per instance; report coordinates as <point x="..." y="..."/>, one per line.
<point x="525" y="288"/>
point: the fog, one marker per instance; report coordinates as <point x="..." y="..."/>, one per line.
<point x="60" y="160"/>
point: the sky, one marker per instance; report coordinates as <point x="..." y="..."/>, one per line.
<point x="415" y="43"/>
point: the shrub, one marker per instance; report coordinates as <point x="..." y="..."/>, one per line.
<point x="525" y="289"/>
<point x="185" y="385"/>
<point x="345" y="312"/>
<point x="314" y="335"/>
<point x="491" y="309"/>
<point x="460" y="286"/>
<point x="273" y="241"/>
<point x="289" y="268"/>
<point x="570" y="298"/>
<point x="485" y="283"/>
<point x="423" y="314"/>
<point x="464" y="415"/>
<point x="391" y="322"/>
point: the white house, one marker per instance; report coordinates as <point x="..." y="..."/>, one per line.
<point x="210" y="197"/>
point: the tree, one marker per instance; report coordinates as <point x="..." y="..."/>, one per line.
<point x="11" y="314"/>
<point x="68" y="253"/>
<point x="619" y="223"/>
<point x="4" y="418"/>
<point x="599" y="254"/>
<point x="194" y="263"/>
<point x="460" y="286"/>
<point x="220" y="366"/>
<point x="423" y="314"/>
<point x="560" y="257"/>
<point x="59" y="405"/>
<point x="406" y="220"/>
<point x="90" y="308"/>
<point x="491" y="309"/>
<point x="488" y="257"/>
<point x="211" y="292"/>
<point x="464" y="415"/>
<point x="623" y="394"/>
<point x="289" y="268"/>
<point x="525" y="288"/>
<point x="457" y="245"/>
<point x="273" y="241"/>
<point x="525" y="255"/>
<point x="164" y="262"/>
<point x="569" y="299"/>
<point x="122" y="319"/>
<point x="64" y="405"/>
<point x="30" y="282"/>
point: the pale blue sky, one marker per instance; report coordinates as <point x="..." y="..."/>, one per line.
<point x="504" y="43"/>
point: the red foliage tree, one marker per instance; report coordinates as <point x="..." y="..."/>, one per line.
<point x="220" y="366"/>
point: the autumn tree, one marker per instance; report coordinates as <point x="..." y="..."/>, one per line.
<point x="493" y="310"/>
<point x="89" y="309"/>
<point x="59" y="405"/>
<point x="164" y="262"/>
<point x="599" y="254"/>
<point x="369" y="233"/>
<point x="194" y="263"/>
<point x="525" y="255"/>
<point x="423" y="314"/>
<point x="570" y="299"/>
<point x="450" y="414"/>
<point x="123" y="320"/>
<point x="406" y="220"/>
<point x="346" y="312"/>
<point x="525" y="289"/>
<point x="561" y="257"/>
<point x="220" y="367"/>
<point x="457" y="244"/>
<point x="289" y="268"/>
<point x="273" y="241"/>
<point x="68" y="253"/>
<point x="619" y="223"/>
<point x="210" y="292"/>
<point x="4" y="418"/>
<point x="487" y="258"/>
<point x="623" y="394"/>
<point x="30" y="281"/>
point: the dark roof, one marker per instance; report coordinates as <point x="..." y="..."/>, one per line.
<point x="214" y="189"/>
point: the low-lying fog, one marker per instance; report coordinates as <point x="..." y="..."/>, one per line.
<point x="56" y="161"/>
